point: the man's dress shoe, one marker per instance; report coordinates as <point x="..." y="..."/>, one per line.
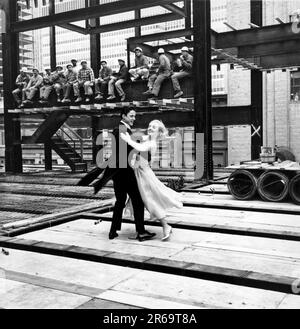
<point x="112" y="235"/>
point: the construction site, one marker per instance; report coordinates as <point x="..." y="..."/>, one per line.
<point x="235" y="243"/>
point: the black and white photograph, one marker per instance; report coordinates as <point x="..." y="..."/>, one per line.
<point x="149" y="158"/>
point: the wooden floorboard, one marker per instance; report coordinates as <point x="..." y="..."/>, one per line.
<point x="228" y="202"/>
<point x="280" y="226"/>
<point x="133" y="287"/>
<point x="275" y="263"/>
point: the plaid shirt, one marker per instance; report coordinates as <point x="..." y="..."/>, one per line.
<point x="86" y="75"/>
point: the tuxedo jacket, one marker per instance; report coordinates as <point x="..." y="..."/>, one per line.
<point x="112" y="165"/>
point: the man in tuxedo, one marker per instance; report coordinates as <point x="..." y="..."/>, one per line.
<point x="122" y="174"/>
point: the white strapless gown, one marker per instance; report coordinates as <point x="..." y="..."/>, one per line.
<point x="157" y="197"/>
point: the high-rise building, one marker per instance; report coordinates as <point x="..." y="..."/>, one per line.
<point x="25" y="46"/>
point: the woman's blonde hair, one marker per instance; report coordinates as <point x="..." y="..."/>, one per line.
<point x="162" y="130"/>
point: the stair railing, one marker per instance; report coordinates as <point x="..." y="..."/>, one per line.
<point x="67" y="131"/>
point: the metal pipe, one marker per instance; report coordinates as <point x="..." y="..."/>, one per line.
<point x="242" y="184"/>
<point x="273" y="186"/>
<point x="294" y="189"/>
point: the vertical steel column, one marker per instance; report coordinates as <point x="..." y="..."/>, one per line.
<point x="12" y="126"/>
<point x="137" y="33"/>
<point x="53" y="63"/>
<point x="52" y="37"/>
<point x="188" y="18"/>
<point x="95" y="54"/>
<point x="48" y="156"/>
<point x="256" y="11"/>
<point x="138" y="29"/>
<point x="202" y="82"/>
<point x="95" y="44"/>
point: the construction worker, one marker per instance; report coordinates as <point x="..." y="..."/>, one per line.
<point x="46" y="87"/>
<point x="163" y="72"/>
<point x="86" y="79"/>
<point x="185" y="70"/>
<point x="101" y="84"/>
<point x="58" y="80"/>
<point x="71" y="77"/>
<point x="117" y="81"/>
<point x="141" y="68"/>
<point x="32" y="88"/>
<point x="21" y="83"/>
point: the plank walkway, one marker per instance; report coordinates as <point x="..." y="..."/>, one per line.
<point x="223" y="253"/>
<point x="152" y="269"/>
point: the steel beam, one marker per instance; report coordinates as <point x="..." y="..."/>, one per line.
<point x="252" y="37"/>
<point x="232" y="115"/>
<point x="135" y="23"/>
<point x="52" y="35"/>
<point x="95" y="54"/>
<point x="280" y="61"/>
<point x="174" y="46"/>
<point x="269" y="49"/>
<point x="74" y="28"/>
<point x="188" y="17"/>
<point x="256" y="17"/>
<point x="162" y="36"/>
<point x="10" y="55"/>
<point x="202" y="81"/>
<point x="175" y="9"/>
<point x="137" y="29"/>
<point x="86" y="13"/>
<point x="48" y="155"/>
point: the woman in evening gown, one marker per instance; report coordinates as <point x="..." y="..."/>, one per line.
<point x="156" y="196"/>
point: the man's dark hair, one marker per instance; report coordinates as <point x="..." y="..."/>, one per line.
<point x="126" y="110"/>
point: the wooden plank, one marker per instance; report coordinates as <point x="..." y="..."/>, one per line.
<point x="29" y="296"/>
<point x="50" y="283"/>
<point x="269" y="256"/>
<point x="56" y="271"/>
<point x="239" y="277"/>
<point x="228" y="202"/>
<point x="144" y="301"/>
<point x="225" y="221"/>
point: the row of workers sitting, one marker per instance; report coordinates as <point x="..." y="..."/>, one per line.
<point x="63" y="81"/>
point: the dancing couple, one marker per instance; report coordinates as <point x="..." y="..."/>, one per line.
<point x="136" y="178"/>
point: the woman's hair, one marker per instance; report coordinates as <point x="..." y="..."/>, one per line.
<point x="162" y="130"/>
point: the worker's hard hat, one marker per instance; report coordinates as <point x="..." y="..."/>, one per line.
<point x="161" y="51"/>
<point x="184" y="49"/>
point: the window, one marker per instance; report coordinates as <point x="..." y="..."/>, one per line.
<point x="295" y="86"/>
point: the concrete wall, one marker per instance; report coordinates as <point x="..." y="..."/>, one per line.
<point x="281" y="115"/>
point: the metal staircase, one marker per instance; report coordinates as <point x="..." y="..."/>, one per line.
<point x="69" y="146"/>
